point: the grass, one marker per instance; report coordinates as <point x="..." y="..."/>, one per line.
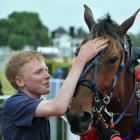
<point x="7" y="88"/>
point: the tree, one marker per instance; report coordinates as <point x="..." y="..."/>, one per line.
<point x="22" y="29"/>
<point x="3" y="32"/>
<point x="135" y="39"/>
<point x="81" y="32"/>
<point x="16" y="42"/>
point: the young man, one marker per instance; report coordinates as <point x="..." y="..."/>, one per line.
<point x="24" y="114"/>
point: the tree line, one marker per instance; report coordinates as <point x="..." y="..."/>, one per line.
<point x="26" y="28"/>
<point x="21" y="29"/>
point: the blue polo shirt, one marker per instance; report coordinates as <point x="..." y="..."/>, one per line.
<point x="19" y="121"/>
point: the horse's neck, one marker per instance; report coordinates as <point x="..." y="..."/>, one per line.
<point x="123" y="93"/>
<point x="129" y="91"/>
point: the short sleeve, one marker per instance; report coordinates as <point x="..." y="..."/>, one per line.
<point x="22" y="110"/>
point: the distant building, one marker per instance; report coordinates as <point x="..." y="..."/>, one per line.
<point x="67" y="42"/>
<point x="64" y="43"/>
<point x="58" y="32"/>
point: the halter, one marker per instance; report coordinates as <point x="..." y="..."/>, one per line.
<point x="100" y="103"/>
<point x="94" y="64"/>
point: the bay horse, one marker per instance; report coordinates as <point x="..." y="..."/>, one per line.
<point x="105" y="95"/>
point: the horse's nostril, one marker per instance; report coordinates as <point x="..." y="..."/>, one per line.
<point x="84" y="117"/>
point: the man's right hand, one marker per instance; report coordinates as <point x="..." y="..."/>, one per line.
<point x="91" y="48"/>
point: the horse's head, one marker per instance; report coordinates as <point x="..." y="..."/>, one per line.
<point x="102" y="79"/>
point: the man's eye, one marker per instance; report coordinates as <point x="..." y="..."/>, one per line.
<point x="38" y="72"/>
<point x="46" y="70"/>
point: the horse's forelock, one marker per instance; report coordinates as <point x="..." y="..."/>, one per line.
<point x="106" y="27"/>
<point x="115" y="44"/>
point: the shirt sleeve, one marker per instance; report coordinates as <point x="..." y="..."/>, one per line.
<point x="22" y="110"/>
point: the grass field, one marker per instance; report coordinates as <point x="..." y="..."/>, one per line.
<point x="7" y="88"/>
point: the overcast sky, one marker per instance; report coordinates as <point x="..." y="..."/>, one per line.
<point x="65" y="13"/>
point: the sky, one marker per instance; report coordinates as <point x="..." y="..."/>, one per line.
<point x="66" y="13"/>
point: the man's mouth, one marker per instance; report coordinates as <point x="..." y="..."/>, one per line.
<point x="46" y="84"/>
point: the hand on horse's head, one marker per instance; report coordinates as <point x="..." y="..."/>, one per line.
<point x="91" y="48"/>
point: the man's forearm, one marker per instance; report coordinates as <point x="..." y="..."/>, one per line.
<point x="70" y="83"/>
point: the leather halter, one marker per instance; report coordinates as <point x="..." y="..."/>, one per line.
<point x="94" y="64"/>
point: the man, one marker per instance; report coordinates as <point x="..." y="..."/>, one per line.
<point x="24" y="114"/>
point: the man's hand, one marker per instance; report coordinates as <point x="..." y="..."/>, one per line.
<point x="91" y="48"/>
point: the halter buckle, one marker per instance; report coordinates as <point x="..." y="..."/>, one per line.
<point x="98" y="105"/>
<point x="106" y="99"/>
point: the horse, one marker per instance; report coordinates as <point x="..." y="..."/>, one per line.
<point x="105" y="94"/>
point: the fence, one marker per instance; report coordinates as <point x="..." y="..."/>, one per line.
<point x="59" y="126"/>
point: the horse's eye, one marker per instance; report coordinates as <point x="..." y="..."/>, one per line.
<point x="113" y="60"/>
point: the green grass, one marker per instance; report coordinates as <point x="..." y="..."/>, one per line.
<point x="7" y="88"/>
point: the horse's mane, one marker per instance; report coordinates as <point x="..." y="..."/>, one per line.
<point x="106" y="27"/>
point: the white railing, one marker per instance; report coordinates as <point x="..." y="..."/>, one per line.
<point x="70" y="136"/>
<point x="4" y="97"/>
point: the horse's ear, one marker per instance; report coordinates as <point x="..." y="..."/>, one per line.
<point x="128" y="23"/>
<point x="88" y="16"/>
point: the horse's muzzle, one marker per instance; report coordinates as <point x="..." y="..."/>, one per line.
<point x="81" y="123"/>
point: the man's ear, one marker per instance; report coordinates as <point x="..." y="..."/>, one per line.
<point x="19" y="81"/>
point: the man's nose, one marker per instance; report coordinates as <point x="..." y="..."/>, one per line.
<point x="47" y="74"/>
